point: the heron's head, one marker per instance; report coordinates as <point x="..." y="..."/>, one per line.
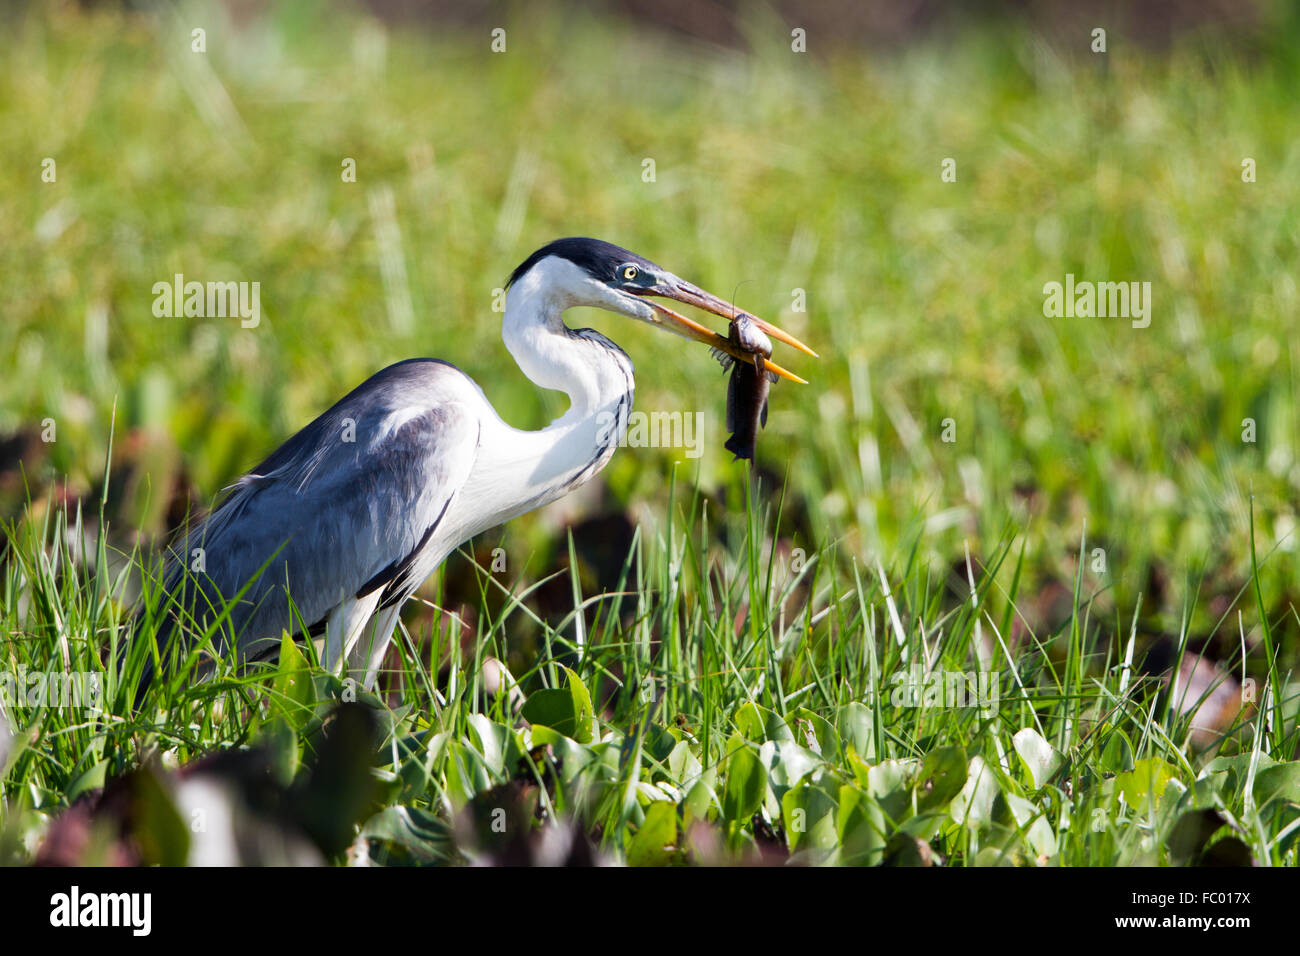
<point x="591" y="272"/>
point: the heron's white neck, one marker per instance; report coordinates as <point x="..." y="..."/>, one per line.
<point x="587" y="367"/>
<point x="522" y="470"/>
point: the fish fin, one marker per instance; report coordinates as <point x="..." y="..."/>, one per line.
<point x="738" y="449"/>
<point x="732" y="389"/>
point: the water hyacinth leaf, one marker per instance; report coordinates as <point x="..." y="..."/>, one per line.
<point x="1278" y="782"/>
<point x="552" y="708"/>
<point x="1142" y="786"/>
<point x="793" y="763"/>
<point x="890" y="784"/>
<point x="861" y="769"/>
<point x="655" y="842"/>
<point x="1040" y="758"/>
<point x="293" y="692"/>
<point x="282" y="746"/>
<point x="415" y="763"/>
<point x="861" y="826"/>
<point x="700" y="799"/>
<point x="467" y="775"/>
<point x="583" y="714"/>
<point x="1038" y="833"/>
<point x="1233" y="771"/>
<point x="90" y="779"/>
<point x="996" y="856"/>
<point x="423" y="836"/>
<point x="1117" y="754"/>
<point x="490" y="739"/>
<point x="942" y="776"/>
<point x="889" y="777"/>
<point x="759" y="724"/>
<point x="816" y="733"/>
<point x="746" y="783"/>
<point x="683" y="765"/>
<point x="857" y="729"/>
<point x="974" y="804"/>
<point x="808" y="818"/>
<point x="572" y="756"/>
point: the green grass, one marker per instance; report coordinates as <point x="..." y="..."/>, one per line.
<point x="745" y="681"/>
<point x="742" y="710"/>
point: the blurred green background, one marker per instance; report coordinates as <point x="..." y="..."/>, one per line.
<point x="817" y="171"/>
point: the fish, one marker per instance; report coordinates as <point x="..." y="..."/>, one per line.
<point x="748" y="387"/>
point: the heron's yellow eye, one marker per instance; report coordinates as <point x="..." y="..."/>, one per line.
<point x="629" y="272"/>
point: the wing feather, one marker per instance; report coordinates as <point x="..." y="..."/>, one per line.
<point x="340" y="509"/>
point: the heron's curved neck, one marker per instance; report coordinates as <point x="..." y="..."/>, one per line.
<point x="522" y="470"/>
<point x="591" y="370"/>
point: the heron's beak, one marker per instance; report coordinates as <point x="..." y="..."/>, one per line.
<point x="682" y="291"/>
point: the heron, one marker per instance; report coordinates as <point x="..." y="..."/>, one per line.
<point x="329" y="536"/>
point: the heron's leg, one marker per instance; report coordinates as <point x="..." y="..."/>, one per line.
<point x="345" y="625"/>
<point x="364" y="659"/>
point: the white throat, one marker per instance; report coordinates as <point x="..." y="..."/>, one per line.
<point x="526" y="469"/>
<point x="584" y="365"/>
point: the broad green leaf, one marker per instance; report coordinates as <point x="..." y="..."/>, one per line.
<point x="942" y="775"/>
<point x="816" y="733"/>
<point x="583" y="715"/>
<point x="856" y="727"/>
<point x="656" y="841"/>
<point x="553" y="708"/>
<point x="1142" y="786"/>
<point x="808" y="817"/>
<point x="422" y="834"/>
<point x="974" y="805"/>
<point x="742" y="793"/>
<point x="793" y="763"/>
<point x="1117" y="755"/>
<point x="1037" y="830"/>
<point x="90" y="779"/>
<point x="572" y="756"/>
<point x="890" y="784"/>
<point x="490" y="740"/>
<point x="759" y="724"/>
<point x="684" y="766"/>
<point x="466" y="774"/>
<point x="1281" y="781"/>
<point x="862" y="827"/>
<point x="1039" y="757"/>
<point x="282" y="745"/>
<point x="701" y="798"/>
<point x="293" y="692"/>
<point x="889" y="776"/>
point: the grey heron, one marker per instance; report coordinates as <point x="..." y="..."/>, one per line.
<point x="349" y="516"/>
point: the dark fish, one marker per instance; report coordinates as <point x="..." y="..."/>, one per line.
<point x="747" y="390"/>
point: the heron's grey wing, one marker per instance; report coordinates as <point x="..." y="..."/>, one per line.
<point x="339" y="510"/>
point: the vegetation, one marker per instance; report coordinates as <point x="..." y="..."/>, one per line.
<point x="764" y="669"/>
